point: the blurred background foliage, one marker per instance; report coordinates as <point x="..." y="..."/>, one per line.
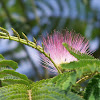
<point x="37" y="18"/>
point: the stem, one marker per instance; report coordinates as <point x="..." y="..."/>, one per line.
<point x="29" y="94"/>
<point x="33" y="45"/>
<point x="54" y="64"/>
<point x="86" y="77"/>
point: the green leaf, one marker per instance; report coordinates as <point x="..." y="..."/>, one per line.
<point x="91" y="97"/>
<point x="81" y="63"/>
<point x="1" y="57"/>
<point x="63" y="80"/>
<point x="11" y="92"/>
<point x="79" y="72"/>
<point x="8" y="77"/>
<point x="66" y="84"/>
<point x="45" y="90"/>
<point x="99" y="69"/>
<point x="93" y="89"/>
<point x="73" y="77"/>
<point x="77" y="55"/>
<point x="40" y="90"/>
<point x="93" y="68"/>
<point x="10" y="63"/>
<point x="14" y="81"/>
<point x="74" y="96"/>
<point x="13" y="73"/>
<point x="83" y="66"/>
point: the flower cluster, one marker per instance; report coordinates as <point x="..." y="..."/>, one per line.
<point x="58" y="53"/>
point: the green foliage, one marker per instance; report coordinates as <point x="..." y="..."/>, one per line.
<point x="27" y="42"/>
<point x="16" y="74"/>
<point x="10" y="63"/>
<point x="61" y="87"/>
<point x="85" y="65"/>
<point x="93" y="89"/>
<point x="42" y="90"/>
<point x="9" y="76"/>
<point x="91" y="64"/>
<point x="7" y="63"/>
<point x="65" y="83"/>
<point x="16" y="15"/>
<point x="53" y="89"/>
<point x="17" y="86"/>
<point x="11" y="92"/>
<point x="68" y="80"/>
<point x="74" y="96"/>
<point x="46" y="90"/>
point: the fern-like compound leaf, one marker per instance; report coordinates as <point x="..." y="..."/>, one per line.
<point x="14" y="81"/>
<point x="13" y="73"/>
<point x="77" y="54"/>
<point x="93" y="89"/>
<point x="63" y="81"/>
<point x="86" y="65"/>
<point x="8" y="63"/>
<point x="46" y="90"/>
<point x="53" y="89"/>
<point x="74" y="96"/>
<point x="8" y="77"/>
<point x="83" y="67"/>
<point x="11" y="92"/>
<point x="81" y="63"/>
<point x="20" y="88"/>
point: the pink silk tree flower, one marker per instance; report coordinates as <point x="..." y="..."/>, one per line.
<point x="58" y="53"/>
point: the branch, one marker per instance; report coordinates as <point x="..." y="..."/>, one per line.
<point x="11" y="21"/>
<point x="27" y="42"/>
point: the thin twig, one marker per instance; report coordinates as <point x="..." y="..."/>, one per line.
<point x="86" y="77"/>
